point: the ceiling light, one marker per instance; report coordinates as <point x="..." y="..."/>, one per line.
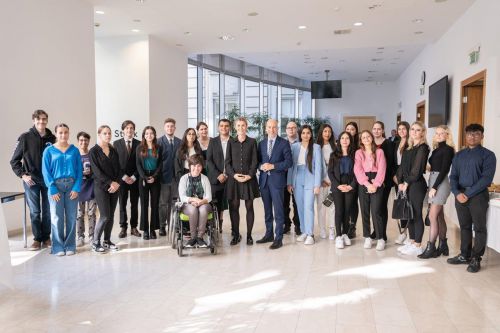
<point x="418" y="32"/>
<point x="372" y="71"/>
<point x="417" y="21"/>
<point x="336" y="9"/>
<point x="341" y="60"/>
<point x="141" y="1"/>
<point x="401" y="51"/>
<point x="136" y="30"/>
<point x="299" y="43"/>
<point x="100" y="12"/>
<point x="324" y="58"/>
<point x="302" y="27"/>
<point x="342" y="31"/>
<point x="393" y="63"/>
<point x="377" y="59"/>
<point x="397" y="58"/>
<point x="137" y="20"/>
<point x="97" y="24"/>
<point x="379" y="52"/>
<point x="245" y="30"/>
<point x="179" y="45"/>
<point x="227" y="37"/>
<point x="438" y="1"/>
<point x="358" y="24"/>
<point x="374" y="6"/>
<point x="253" y="14"/>
<point x="188" y="33"/>
<point x="380" y="48"/>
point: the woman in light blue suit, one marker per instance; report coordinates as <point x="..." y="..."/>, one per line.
<point x="304" y="180"/>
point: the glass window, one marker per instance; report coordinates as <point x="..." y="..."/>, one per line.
<point x="270" y="100"/>
<point x="211" y="100"/>
<point x="231" y="94"/>
<point x="251" y="97"/>
<point x="305" y="109"/>
<point x="192" y="72"/>
<point x="287" y="106"/>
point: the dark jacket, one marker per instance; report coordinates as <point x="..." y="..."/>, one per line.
<point x="179" y="169"/>
<point x="27" y="157"/>
<point x="388" y="147"/>
<point x="168" y="156"/>
<point x="281" y="157"/>
<point x="106" y="169"/>
<point x="413" y="164"/>
<point x="215" y="160"/>
<point x="140" y="164"/>
<point x="127" y="161"/>
<point x="334" y="175"/>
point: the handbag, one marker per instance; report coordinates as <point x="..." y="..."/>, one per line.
<point x="402" y="209"/>
<point x="328" y="200"/>
<point x="427" y="221"/>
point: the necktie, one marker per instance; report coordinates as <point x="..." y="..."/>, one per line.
<point x="129" y="148"/>
<point x="270" y="148"/>
<point x="171" y="144"/>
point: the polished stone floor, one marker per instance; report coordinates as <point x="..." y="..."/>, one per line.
<point x="146" y="287"/>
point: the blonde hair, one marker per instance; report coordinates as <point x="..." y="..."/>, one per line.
<point x="449" y="137"/>
<point x="411" y="144"/>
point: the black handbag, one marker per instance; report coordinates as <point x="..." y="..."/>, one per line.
<point x="328" y="200"/>
<point x="427" y="221"/>
<point x="402" y="210"/>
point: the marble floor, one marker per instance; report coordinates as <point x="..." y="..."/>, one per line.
<point x="146" y="287"/>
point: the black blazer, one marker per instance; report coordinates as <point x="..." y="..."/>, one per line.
<point x="127" y="162"/>
<point x="106" y="169"/>
<point x="334" y="175"/>
<point x="140" y="164"/>
<point x="388" y="147"/>
<point x="215" y="159"/>
<point x="179" y="164"/>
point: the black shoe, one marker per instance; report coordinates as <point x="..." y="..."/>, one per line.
<point x="286" y="229"/>
<point x="265" y="240"/>
<point x="152" y="234"/>
<point x="297" y="231"/>
<point x="373" y="235"/>
<point x="201" y="243"/>
<point x="163" y="232"/>
<point x="145" y="235"/>
<point x="123" y="233"/>
<point x="97" y="247"/>
<point x="458" y="260"/>
<point x="235" y="240"/>
<point x="276" y="245"/>
<point x="352" y="232"/>
<point x="474" y="266"/>
<point x="249" y="240"/>
<point x="429" y="252"/>
<point x="443" y="247"/>
<point x="192" y="242"/>
<point x="109" y="245"/>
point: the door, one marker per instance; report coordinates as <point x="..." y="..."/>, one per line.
<point x="421" y="112"/>
<point x="364" y="122"/>
<point x="472" y="110"/>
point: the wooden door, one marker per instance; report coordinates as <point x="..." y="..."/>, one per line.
<point x="421" y="112"/>
<point x="364" y="122"/>
<point x="472" y="106"/>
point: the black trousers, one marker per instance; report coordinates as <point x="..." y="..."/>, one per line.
<point x="234" y="214"/>
<point x="218" y="192"/>
<point x="106" y="202"/>
<point x="286" y="206"/>
<point x="353" y="216"/>
<point x="384" y="209"/>
<point x="150" y="194"/>
<point x="371" y="203"/>
<point x="343" y="207"/>
<point x="125" y="189"/>
<point x="416" y="195"/>
<point x="473" y="212"/>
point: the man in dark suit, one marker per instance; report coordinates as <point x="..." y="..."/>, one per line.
<point x="126" y="148"/>
<point x="275" y="158"/>
<point x="216" y="155"/>
<point x="169" y="145"/>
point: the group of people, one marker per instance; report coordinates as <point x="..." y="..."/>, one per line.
<point x="344" y="175"/>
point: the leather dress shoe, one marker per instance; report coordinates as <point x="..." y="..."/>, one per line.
<point x="135" y="232"/>
<point x="235" y="240"/>
<point x="162" y="232"/>
<point x="146" y="235"/>
<point x="123" y="233"/>
<point x="458" y="260"/>
<point x="474" y="266"/>
<point x="265" y="240"/>
<point x="297" y="231"/>
<point x="152" y="234"/>
<point x="47" y="243"/>
<point x="276" y="245"/>
<point x="249" y="240"/>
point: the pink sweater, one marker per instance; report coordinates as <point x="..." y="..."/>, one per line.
<point x="364" y="163"/>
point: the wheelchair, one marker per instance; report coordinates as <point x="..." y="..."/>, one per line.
<point x="179" y="228"/>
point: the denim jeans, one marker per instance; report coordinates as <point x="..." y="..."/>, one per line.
<point x="38" y="204"/>
<point x="63" y="217"/>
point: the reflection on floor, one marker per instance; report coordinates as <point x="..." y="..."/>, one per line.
<point x="146" y="287"/>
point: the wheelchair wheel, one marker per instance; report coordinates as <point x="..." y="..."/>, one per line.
<point x="171" y="227"/>
<point x="175" y="233"/>
<point x="179" y="247"/>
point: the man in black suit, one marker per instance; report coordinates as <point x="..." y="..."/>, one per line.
<point x="169" y="145"/>
<point x="126" y="148"/>
<point x="216" y="155"/>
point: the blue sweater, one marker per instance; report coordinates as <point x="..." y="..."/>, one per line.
<point x="56" y="164"/>
<point x="472" y="171"/>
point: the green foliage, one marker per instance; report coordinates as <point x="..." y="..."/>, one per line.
<point x="315" y="123"/>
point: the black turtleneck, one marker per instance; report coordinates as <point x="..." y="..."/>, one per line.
<point x="440" y="161"/>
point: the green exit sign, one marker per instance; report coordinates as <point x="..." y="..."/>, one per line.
<point x="474" y="56"/>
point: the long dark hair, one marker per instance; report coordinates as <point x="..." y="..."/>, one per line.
<point x="319" y="139"/>
<point x="407" y="126"/>
<point x="144" y="143"/>
<point x="355" y="137"/>
<point x="373" y="145"/>
<point x="184" y="149"/>
<point x="338" y="153"/>
<point x="310" y="145"/>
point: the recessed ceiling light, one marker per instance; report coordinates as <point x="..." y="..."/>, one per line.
<point x="245" y="30"/>
<point x="358" y="24"/>
<point x="136" y="30"/>
<point x="253" y="14"/>
<point x="372" y="71"/>
<point x="141" y="1"/>
<point x="97" y="24"/>
<point x="417" y="21"/>
<point x="393" y="63"/>
<point x="380" y="48"/>
<point x="137" y="20"/>
<point x="336" y="9"/>
<point x="100" y="12"/>
<point x="379" y="52"/>
<point x="377" y="59"/>
<point x="342" y="31"/>
<point x="401" y="51"/>
<point x="374" y="6"/>
<point x="188" y="33"/>
<point x="324" y="58"/>
<point x="418" y="32"/>
<point x="438" y="1"/>
<point x="179" y="45"/>
<point x="302" y="27"/>
<point x="227" y="37"/>
<point x="299" y="43"/>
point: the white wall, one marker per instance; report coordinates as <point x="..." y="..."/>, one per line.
<point x="47" y="62"/>
<point x="362" y="99"/>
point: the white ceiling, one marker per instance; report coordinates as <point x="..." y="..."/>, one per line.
<point x="274" y="41"/>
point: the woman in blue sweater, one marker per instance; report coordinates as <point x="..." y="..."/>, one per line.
<point x="62" y="172"/>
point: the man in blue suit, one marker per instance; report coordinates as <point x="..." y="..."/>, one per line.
<point x="169" y="145"/>
<point x="275" y="158"/>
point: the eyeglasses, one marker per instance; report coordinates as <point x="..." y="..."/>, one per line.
<point x="474" y="134"/>
<point x="291" y="128"/>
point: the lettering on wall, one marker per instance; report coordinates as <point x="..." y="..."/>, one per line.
<point x="119" y="134"/>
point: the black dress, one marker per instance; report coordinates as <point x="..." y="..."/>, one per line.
<point x="242" y="158"/>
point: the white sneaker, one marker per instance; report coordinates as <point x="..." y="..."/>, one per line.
<point x="347" y="240"/>
<point x="70" y="253"/>
<point x="368" y="243"/>
<point x="332" y="233"/>
<point x="60" y="253"/>
<point x="309" y="240"/>
<point x="401" y="239"/>
<point x="404" y="247"/>
<point x="322" y="233"/>
<point x="302" y="237"/>
<point x="413" y="250"/>
<point x="380" y="245"/>
<point x="80" y="242"/>
<point x="339" y="242"/>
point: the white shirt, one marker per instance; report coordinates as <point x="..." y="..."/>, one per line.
<point x="224" y="149"/>
<point x="301" y="160"/>
<point x="191" y="152"/>
<point x="327" y="151"/>
<point x="205" y="183"/>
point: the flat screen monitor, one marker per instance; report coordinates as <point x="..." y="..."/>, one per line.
<point x="326" y="89"/>
<point x="439" y="103"/>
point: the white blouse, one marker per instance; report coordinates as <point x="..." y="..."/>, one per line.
<point x="301" y="160"/>
<point x="190" y="153"/>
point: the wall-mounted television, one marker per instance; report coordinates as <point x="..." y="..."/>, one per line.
<point x="439" y="103"/>
<point x="326" y="89"/>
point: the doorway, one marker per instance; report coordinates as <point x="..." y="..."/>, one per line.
<point x="364" y="122"/>
<point x="398" y="119"/>
<point x="472" y="106"/>
<point x="421" y="112"/>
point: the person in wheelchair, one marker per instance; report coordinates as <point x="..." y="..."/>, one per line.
<point x="195" y="194"/>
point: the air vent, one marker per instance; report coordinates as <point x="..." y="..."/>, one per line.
<point x="342" y="31"/>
